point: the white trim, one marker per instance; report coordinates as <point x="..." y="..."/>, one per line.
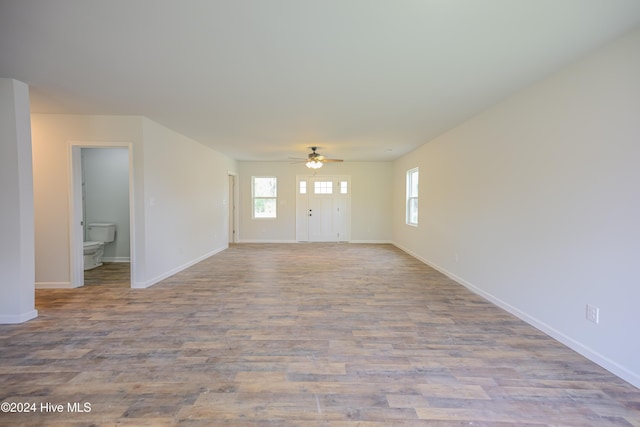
<point x="116" y="259"/>
<point x="7" y="319"/>
<point x="76" y="257"/>
<point x="372" y="242"/>
<point x="149" y="283"/>
<point x="236" y="211"/>
<point x="54" y="285"/>
<point x="266" y="241"/>
<point x="608" y="364"/>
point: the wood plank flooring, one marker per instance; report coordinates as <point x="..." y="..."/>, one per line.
<point x="110" y="273"/>
<point x="298" y="335"/>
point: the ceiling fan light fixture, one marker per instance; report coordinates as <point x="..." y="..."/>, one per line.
<point x="314" y="164"/>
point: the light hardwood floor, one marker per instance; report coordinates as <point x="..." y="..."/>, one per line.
<point x="298" y="335"/>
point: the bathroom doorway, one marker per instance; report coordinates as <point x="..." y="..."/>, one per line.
<point x="102" y="183"/>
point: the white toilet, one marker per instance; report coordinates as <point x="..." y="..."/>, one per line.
<point x="98" y="234"/>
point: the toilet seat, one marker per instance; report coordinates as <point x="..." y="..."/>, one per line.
<point x="91" y="246"/>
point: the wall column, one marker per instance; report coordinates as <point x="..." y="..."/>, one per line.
<point x="17" y="247"/>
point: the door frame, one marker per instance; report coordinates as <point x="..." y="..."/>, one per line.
<point x="232" y="210"/>
<point x="302" y="205"/>
<point x="76" y="235"/>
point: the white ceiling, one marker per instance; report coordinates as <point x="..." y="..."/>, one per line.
<point x="265" y="79"/>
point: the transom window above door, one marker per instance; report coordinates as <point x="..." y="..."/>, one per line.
<point x="323" y="187"/>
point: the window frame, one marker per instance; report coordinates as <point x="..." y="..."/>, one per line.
<point x="323" y="188"/>
<point x="343" y="186"/>
<point x="412" y="200"/>
<point x="254" y="198"/>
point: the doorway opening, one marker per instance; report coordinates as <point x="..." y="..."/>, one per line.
<point x="102" y="200"/>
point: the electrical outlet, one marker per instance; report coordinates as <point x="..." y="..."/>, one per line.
<point x="593" y="314"/>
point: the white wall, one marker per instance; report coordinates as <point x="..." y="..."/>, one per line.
<point x="371" y="188"/>
<point x="179" y="188"/>
<point x="539" y="197"/>
<point x="186" y="201"/>
<point x="106" y="187"/>
<point x="17" y="301"/>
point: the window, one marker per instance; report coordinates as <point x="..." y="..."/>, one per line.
<point x="344" y="187"/>
<point x="412" y="196"/>
<point x="323" y="187"/>
<point x="303" y="187"/>
<point x="265" y="190"/>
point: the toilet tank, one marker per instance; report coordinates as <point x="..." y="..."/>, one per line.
<point x="101" y="232"/>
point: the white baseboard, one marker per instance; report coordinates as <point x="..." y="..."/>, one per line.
<point x="266" y="241"/>
<point x="299" y="241"/>
<point x="603" y="361"/>
<point x="54" y="285"/>
<point x="149" y="283"/>
<point x="116" y="259"/>
<point x="12" y="319"/>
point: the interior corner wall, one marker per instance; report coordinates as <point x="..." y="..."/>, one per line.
<point x="17" y="303"/>
<point x="371" y="184"/>
<point x="535" y="203"/>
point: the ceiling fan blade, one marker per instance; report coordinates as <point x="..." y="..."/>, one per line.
<point x="314" y="156"/>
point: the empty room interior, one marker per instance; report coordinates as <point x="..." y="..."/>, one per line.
<point x="338" y="212"/>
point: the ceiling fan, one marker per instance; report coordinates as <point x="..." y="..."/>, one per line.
<point x="315" y="160"/>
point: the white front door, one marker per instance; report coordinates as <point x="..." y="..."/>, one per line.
<point x="321" y="219"/>
<point x="323" y="211"/>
